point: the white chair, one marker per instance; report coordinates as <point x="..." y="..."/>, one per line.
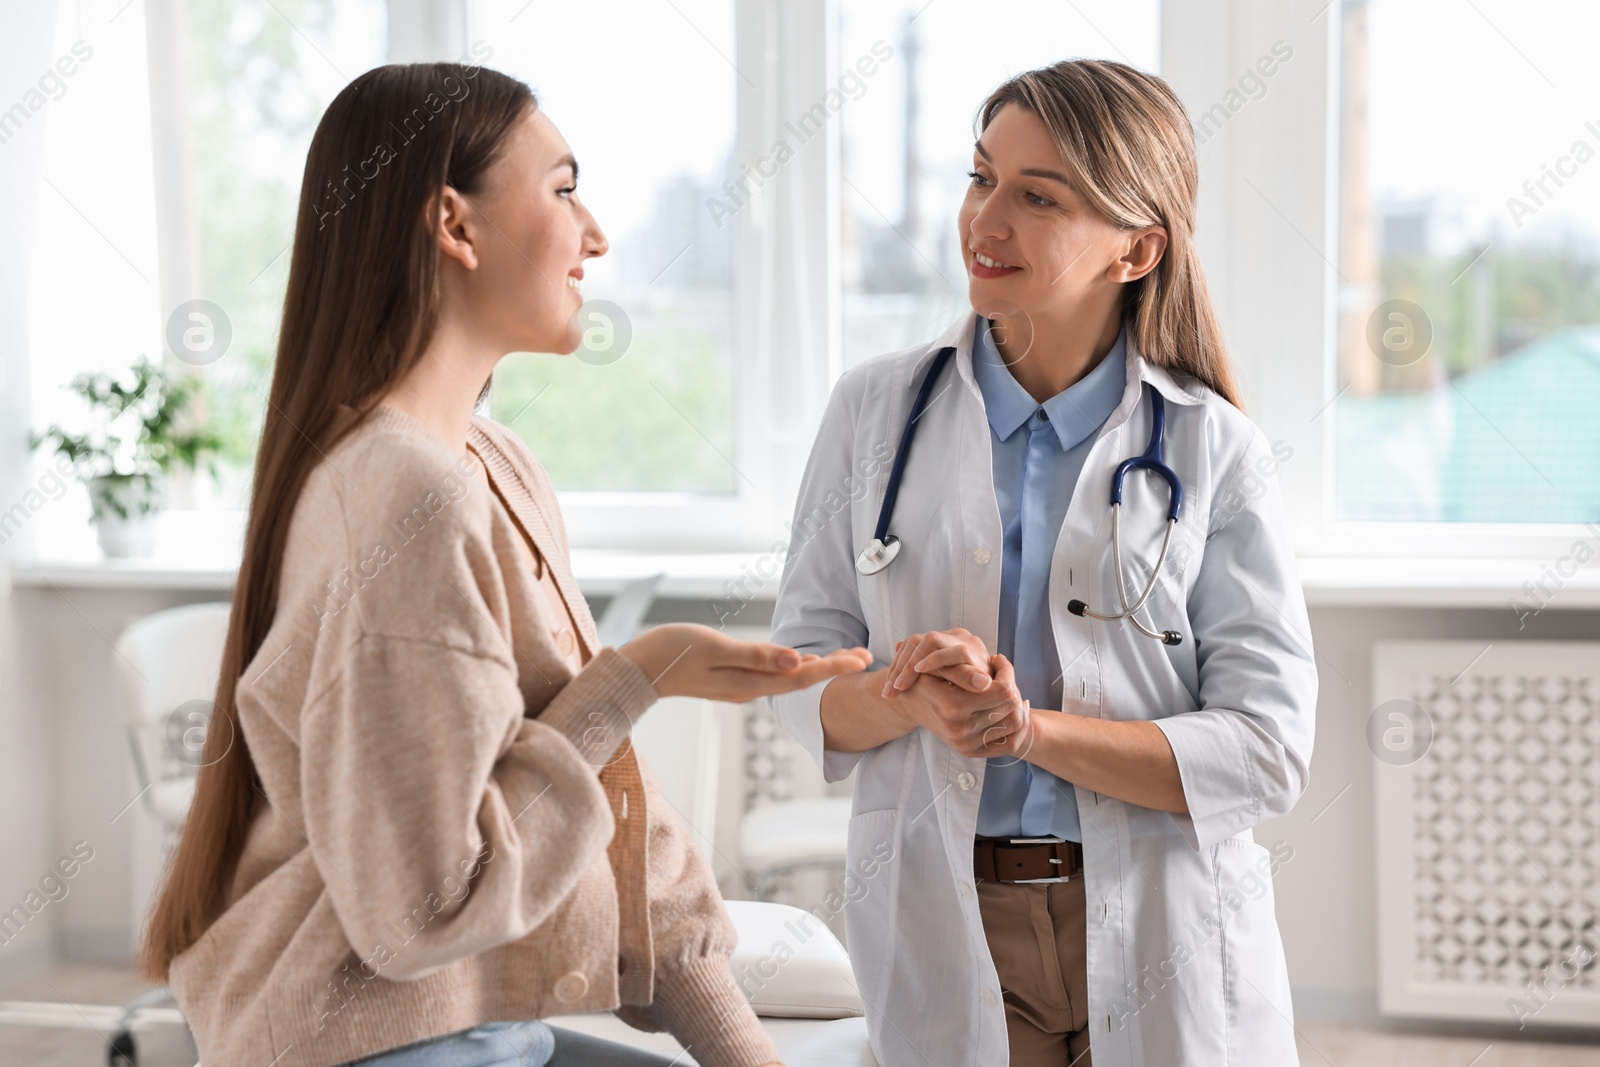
<point x="790" y="835"/>
<point x="168" y="665"/>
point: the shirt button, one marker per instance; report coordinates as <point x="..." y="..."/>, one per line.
<point x="980" y="555"/>
<point x="965" y="780"/>
<point x="572" y="985"/>
<point x="1041" y="416"/>
<point x="989" y="1000"/>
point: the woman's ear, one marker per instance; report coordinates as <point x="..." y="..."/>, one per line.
<point x="457" y="239"/>
<point x="1144" y="253"/>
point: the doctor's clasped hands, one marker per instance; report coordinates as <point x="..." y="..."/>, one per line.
<point x="948" y="682"/>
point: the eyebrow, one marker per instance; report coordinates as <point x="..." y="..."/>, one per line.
<point x="1031" y="172"/>
<point x="568" y="161"/>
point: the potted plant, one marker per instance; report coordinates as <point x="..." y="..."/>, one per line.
<point x="140" y="432"/>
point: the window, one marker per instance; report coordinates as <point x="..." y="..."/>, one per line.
<point x="1469" y="293"/>
<point x="259" y="75"/>
<point x="93" y="267"/>
<point x="186" y="193"/>
<point x="645" y="93"/>
<point x="905" y="156"/>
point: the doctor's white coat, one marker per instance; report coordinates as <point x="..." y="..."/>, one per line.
<point x="1185" y="962"/>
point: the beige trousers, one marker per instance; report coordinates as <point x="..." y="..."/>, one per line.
<point x="1036" y="936"/>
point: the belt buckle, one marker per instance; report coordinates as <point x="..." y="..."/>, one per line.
<point x="1050" y="840"/>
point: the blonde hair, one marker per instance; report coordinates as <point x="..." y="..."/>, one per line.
<point x="1127" y="144"/>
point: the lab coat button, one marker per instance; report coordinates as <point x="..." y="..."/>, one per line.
<point x="989" y="1000"/>
<point x="980" y="555"/>
<point x="572" y="985"/>
<point x="965" y="780"/>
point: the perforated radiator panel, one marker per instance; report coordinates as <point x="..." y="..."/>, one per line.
<point x="1488" y="832"/>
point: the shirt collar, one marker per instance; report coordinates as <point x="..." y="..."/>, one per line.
<point x="1075" y="413"/>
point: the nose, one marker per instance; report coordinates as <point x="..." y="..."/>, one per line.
<point x="990" y="219"/>
<point x="594" y="238"/>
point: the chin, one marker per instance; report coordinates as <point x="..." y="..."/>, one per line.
<point x="555" y="338"/>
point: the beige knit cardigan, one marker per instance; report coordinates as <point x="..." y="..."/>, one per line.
<point x="452" y="827"/>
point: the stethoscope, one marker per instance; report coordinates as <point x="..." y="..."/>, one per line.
<point x="884" y="546"/>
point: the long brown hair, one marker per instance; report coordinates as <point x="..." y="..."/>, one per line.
<point x="1129" y="149"/>
<point x="360" y="309"/>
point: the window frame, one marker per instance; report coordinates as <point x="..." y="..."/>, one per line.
<point x="1270" y="182"/>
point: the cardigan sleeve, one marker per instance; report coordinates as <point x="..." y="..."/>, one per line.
<point x="696" y="998"/>
<point x="433" y="802"/>
<point x="430" y="800"/>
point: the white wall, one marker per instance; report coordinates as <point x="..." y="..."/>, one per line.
<point x="64" y="774"/>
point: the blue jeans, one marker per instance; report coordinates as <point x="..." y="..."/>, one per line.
<point x="514" y="1044"/>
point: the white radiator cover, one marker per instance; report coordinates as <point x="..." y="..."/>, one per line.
<point x="1488" y="846"/>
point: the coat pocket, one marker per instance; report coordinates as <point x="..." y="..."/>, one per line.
<point x="1260" y="1013"/>
<point x="871" y="877"/>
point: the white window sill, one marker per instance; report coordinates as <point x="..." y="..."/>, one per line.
<point x="1447" y="583"/>
<point x="600" y="572"/>
<point x="738" y="577"/>
<point x="199" y="551"/>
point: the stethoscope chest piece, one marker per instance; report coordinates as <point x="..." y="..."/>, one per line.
<point x="878" y="554"/>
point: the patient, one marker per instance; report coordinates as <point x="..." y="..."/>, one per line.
<point x="420" y="827"/>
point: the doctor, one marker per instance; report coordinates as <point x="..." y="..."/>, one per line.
<point x="1055" y="794"/>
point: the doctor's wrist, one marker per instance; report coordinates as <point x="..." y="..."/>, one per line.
<point x="856" y="716"/>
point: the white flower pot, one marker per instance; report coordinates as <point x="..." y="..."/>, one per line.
<point x="124" y="510"/>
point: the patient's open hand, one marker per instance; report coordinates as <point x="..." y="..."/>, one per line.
<point x="687" y="659"/>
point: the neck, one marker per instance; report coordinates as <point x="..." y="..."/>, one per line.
<point x="442" y="388"/>
<point x="1059" y="349"/>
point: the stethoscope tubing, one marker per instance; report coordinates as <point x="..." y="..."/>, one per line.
<point x="884" y="547"/>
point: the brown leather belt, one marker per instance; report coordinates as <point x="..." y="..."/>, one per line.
<point x="1025" y="859"/>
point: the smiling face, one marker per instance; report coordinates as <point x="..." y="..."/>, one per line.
<point x="530" y="235"/>
<point x="1030" y="240"/>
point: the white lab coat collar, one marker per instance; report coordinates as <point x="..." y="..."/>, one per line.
<point x="959" y="335"/>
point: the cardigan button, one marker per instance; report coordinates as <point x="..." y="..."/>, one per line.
<point x="565" y="641"/>
<point x="572" y="985"/>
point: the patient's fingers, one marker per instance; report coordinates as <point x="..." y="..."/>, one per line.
<point x="746" y="685"/>
<point x="765" y="656"/>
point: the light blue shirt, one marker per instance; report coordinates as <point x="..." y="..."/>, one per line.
<point x="1039" y="450"/>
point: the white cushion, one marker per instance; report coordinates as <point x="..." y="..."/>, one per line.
<point x="801" y="1042"/>
<point x="789" y="963"/>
